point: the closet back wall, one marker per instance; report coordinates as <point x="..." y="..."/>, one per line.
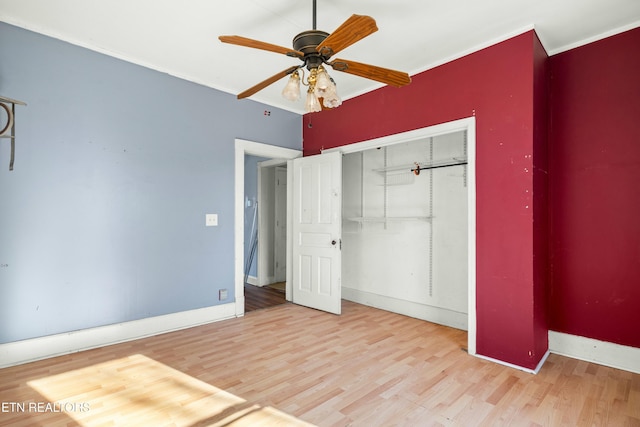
<point x="405" y="235"/>
<point x="103" y="219"/>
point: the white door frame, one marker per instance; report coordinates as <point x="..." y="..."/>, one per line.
<point x="469" y="125"/>
<point x="242" y="148"/>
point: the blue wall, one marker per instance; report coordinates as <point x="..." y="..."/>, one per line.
<point x="102" y="220"/>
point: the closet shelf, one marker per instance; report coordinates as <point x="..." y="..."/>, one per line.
<point x="409" y="167"/>
<point x="388" y="219"/>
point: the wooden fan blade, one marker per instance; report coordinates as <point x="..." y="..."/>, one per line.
<point x="353" y="29"/>
<point x="267" y="82"/>
<point x="257" y="44"/>
<point x="383" y="75"/>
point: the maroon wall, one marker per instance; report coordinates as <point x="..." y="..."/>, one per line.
<point x="540" y="195"/>
<point x="595" y="190"/>
<point x="496" y="85"/>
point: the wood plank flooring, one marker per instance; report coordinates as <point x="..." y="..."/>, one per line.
<point x="290" y="365"/>
<point x="256" y="298"/>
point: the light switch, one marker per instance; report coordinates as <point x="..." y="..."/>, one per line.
<point x="211" y="220"/>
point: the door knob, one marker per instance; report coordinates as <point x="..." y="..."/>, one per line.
<point x="333" y="242"/>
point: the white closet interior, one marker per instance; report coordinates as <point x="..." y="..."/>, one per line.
<point x="404" y="228"/>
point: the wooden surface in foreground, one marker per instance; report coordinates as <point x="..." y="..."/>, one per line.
<point x="257" y="298"/>
<point x="290" y="365"/>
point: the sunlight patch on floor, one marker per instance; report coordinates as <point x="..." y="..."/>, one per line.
<point x="137" y="390"/>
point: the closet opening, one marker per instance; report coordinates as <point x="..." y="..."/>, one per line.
<point x="408" y="224"/>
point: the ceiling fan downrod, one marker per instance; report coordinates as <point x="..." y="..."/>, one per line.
<point x="314" y="15"/>
<point x="307" y="41"/>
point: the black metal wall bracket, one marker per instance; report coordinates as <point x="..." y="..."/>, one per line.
<point x="8" y="130"/>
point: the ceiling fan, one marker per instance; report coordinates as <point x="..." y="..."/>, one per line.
<point x="315" y="49"/>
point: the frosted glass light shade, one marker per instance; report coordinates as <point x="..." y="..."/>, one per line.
<point x="292" y="90"/>
<point x="312" y="105"/>
<point x="323" y="82"/>
<point x="332" y="101"/>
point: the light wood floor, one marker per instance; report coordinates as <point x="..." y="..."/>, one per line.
<point x="256" y="298"/>
<point x="289" y="365"/>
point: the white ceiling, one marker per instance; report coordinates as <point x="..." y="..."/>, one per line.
<point x="181" y="37"/>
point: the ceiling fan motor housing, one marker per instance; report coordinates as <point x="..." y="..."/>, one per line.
<point x="306" y="43"/>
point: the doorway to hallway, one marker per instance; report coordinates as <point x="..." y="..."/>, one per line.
<point x="245" y="148"/>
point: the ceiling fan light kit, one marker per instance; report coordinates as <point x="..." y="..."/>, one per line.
<point x="314" y="48"/>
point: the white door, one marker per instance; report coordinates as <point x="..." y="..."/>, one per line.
<point x="316" y="231"/>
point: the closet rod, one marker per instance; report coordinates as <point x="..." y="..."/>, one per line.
<point x="419" y="168"/>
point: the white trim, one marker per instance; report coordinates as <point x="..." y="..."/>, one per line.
<point x="253" y="280"/>
<point x="478" y="47"/>
<point x="595" y="351"/>
<point x="370" y="88"/>
<point x="291" y="107"/>
<point x="593" y="39"/>
<point x="468" y="124"/>
<point x="520" y="368"/>
<point x="412" y="135"/>
<point x="242" y="148"/>
<point x="18" y="352"/>
<point x="454" y="57"/>
<point x="289" y="282"/>
<point x="471" y="236"/>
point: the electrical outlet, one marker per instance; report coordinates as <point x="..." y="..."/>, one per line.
<point x="211" y="220"/>
<point x="223" y="294"/>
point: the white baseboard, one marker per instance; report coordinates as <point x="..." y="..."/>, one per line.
<point x="19" y="352"/>
<point x="511" y="365"/>
<point x="429" y="313"/>
<point x="591" y="350"/>
<point x="252" y="280"/>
